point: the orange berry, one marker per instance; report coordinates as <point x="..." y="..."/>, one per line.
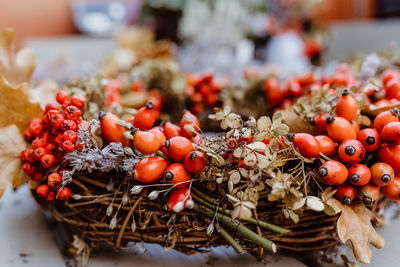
<point x="176" y="174"/>
<point x="346" y="193"/>
<point x="370" y="139"/>
<point x="307" y="144"/>
<point x="359" y="174"/>
<point x="339" y="129"/>
<point x="382" y="174"/>
<point x="347" y="106"/>
<point x="178" y="147"/>
<point x="386" y="117"/>
<point x="351" y="151"/>
<point x="333" y="172"/>
<point x="150" y="169"/>
<point x="392" y="191"/>
<point x="195" y="162"/>
<point x="111" y="130"/>
<point x="327" y="146"/>
<point x="370" y="193"/>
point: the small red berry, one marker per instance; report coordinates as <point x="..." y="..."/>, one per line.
<point x="145" y="117"/>
<point x="35" y="126"/>
<point x="38" y="176"/>
<point x="72" y="113"/>
<point x="47" y="161"/>
<point x="62" y="97"/>
<point x="43" y="190"/>
<point x="38" y="142"/>
<point x="78" y="101"/>
<point x="177" y="174"/>
<point x="69" y="125"/>
<point x="39" y="153"/>
<point x="51" y="106"/>
<point x="189" y="119"/>
<point x="64" y="193"/>
<point x="51" y="196"/>
<point x="57" y="120"/>
<point x="351" y="151"/>
<point x="71" y="136"/>
<point x="59" y="139"/>
<point x="68" y="146"/>
<point x="29" y="168"/>
<point x="28" y="135"/>
<point x="370" y="139"/>
<point x="51" y="148"/>
<point x="54" y="180"/>
<point x="178" y="147"/>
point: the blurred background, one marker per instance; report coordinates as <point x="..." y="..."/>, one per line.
<point x="75" y="38"/>
<point x="231" y="35"/>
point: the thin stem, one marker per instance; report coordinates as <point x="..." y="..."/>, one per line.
<point x="322" y="155"/>
<point x="160" y="154"/>
<point x="262" y="224"/>
<point x="240" y="228"/>
<point x="229" y="238"/>
<point x="203" y="196"/>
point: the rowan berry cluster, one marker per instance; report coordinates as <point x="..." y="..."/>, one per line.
<point x="51" y="137"/>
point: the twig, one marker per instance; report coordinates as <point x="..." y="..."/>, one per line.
<point x="229" y="239"/>
<point x="240" y="228"/>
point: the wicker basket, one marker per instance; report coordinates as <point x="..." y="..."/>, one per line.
<point x="186" y="232"/>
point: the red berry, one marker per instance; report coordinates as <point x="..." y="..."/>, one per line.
<point x="307" y="144"/>
<point x="195" y="162"/>
<point x="145" y="117"/>
<point x="72" y="113"/>
<point x="47" y="161"/>
<point x="64" y="193"/>
<point x="57" y="120"/>
<point x="42" y="190"/>
<point x="176" y="174"/>
<point x="39" y="153"/>
<point x="178" y="147"/>
<point x="68" y="146"/>
<point x="370" y="139"/>
<point x="320" y="122"/>
<point x="232" y="143"/>
<point x="54" y="180"/>
<point x="346" y="193"/>
<point x="386" y="117"/>
<point x="59" y="139"/>
<point x="391" y="132"/>
<point x="28" y="155"/>
<point x="51" y="148"/>
<point x="29" y="168"/>
<point x="351" y="151"/>
<point x="35" y="127"/>
<point x="71" y="136"/>
<point x="189" y="119"/>
<point x="51" y="106"/>
<point x="171" y="130"/>
<point x="78" y="101"/>
<point x="28" y="135"/>
<point x="62" y="97"/>
<point x="38" y="176"/>
<point x="68" y="125"/>
<point x="51" y="196"/>
<point x="359" y="174"/>
<point x="38" y="142"/>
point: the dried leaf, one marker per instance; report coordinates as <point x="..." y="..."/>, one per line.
<point x="18" y="68"/>
<point x="16" y="103"/>
<point x="44" y="93"/>
<point x="315" y="203"/>
<point x="210" y="229"/>
<point x="11" y="144"/>
<point x="354" y="224"/>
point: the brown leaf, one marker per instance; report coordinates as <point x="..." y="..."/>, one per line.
<point x="295" y="123"/>
<point x="11" y="144"/>
<point x="374" y="110"/>
<point x="354" y="224"/>
<point x="17" y="68"/>
<point x="16" y="106"/>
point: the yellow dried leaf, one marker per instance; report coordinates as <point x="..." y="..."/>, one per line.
<point x="17" y="68"/>
<point x="11" y="144"/>
<point x="373" y="110"/>
<point x="354" y="224"/>
<point x="16" y="106"/>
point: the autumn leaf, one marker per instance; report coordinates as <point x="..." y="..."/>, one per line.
<point x="354" y="224"/>
<point x="295" y="123"/>
<point x="15" y="68"/>
<point x="44" y="93"/>
<point x="374" y="110"/>
<point x="11" y="144"/>
<point x="16" y="105"/>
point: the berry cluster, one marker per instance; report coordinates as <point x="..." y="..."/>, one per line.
<point x="168" y="149"/>
<point x="353" y="151"/>
<point x="282" y="95"/>
<point x="202" y="89"/>
<point x="51" y="137"/>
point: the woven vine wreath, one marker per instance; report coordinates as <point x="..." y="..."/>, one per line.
<point x="138" y="178"/>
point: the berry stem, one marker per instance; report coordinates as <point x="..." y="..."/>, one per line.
<point x="238" y="227"/>
<point x="322" y="155"/>
<point x="160" y="154"/>
<point x="262" y="224"/>
<point x="229" y="239"/>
